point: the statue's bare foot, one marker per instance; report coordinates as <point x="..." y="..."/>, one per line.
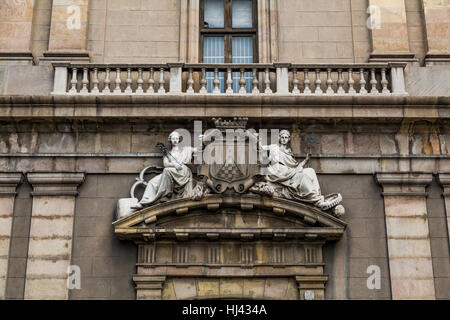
<point x="138" y="207"/>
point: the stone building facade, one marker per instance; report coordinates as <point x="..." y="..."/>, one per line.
<point x="88" y="87"/>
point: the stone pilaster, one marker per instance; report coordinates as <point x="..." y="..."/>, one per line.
<point x="267" y="31"/>
<point x="8" y="184"/>
<point x="437" y="24"/>
<point x="16" y="19"/>
<point x="390" y="34"/>
<point x="184" y="13"/>
<point x="410" y="264"/>
<point x="149" y="287"/>
<point x="193" y="31"/>
<point x="444" y="179"/>
<point x="68" y="31"/>
<point x="311" y="287"/>
<point x="50" y="245"/>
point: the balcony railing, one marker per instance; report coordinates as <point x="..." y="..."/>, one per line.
<point x="230" y="79"/>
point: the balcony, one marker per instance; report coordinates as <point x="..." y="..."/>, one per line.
<point x="373" y="79"/>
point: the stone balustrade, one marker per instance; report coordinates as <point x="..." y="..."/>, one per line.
<point x="230" y="79"/>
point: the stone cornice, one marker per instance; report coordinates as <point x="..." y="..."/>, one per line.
<point x="239" y="234"/>
<point x="55" y="183"/>
<point x="404" y="184"/>
<point x="311" y="279"/>
<point x="149" y="281"/>
<point x="402" y="57"/>
<point x="206" y="106"/>
<point x="444" y="180"/>
<point x="16" y="55"/>
<point x="9" y="182"/>
<point x="304" y="212"/>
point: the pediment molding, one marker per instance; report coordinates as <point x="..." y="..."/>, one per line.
<point x="143" y="224"/>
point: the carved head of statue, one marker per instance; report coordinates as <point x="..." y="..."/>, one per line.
<point x="174" y="138"/>
<point x="284" y="137"/>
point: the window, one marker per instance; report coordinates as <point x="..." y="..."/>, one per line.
<point x="228" y="34"/>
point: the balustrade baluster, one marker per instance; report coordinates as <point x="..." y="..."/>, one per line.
<point x="118" y="82"/>
<point x="85" y="81"/>
<point x="362" y="82"/>
<point x="107" y="88"/>
<point x="203" y="82"/>
<point x="242" y="82"/>
<point x="351" y="82"/>
<point x="229" y="82"/>
<point x="190" y="82"/>
<point x="151" y="81"/>
<point x="295" y="89"/>
<point x="307" y="82"/>
<point x="74" y="81"/>
<point x="255" y="81"/>
<point x="318" y="82"/>
<point x="384" y="82"/>
<point x="330" y="90"/>
<point x="128" y="82"/>
<point x="373" y="82"/>
<point x="340" y="82"/>
<point x="161" y="89"/>
<point x="95" y="82"/>
<point x="140" y="82"/>
<point x="267" y="82"/>
<point x="216" y="81"/>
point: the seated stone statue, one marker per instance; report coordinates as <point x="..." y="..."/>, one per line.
<point x="287" y="178"/>
<point x="176" y="176"/>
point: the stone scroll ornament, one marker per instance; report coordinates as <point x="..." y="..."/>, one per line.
<point x="283" y="177"/>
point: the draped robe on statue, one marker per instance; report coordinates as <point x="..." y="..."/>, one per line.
<point x="295" y="181"/>
<point x="171" y="179"/>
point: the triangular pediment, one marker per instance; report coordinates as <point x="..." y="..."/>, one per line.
<point x="176" y="218"/>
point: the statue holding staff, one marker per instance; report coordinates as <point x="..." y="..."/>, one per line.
<point x="176" y="176"/>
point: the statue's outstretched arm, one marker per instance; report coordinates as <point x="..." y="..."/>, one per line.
<point x="304" y="162"/>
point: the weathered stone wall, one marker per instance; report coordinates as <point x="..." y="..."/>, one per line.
<point x="113" y="152"/>
<point x="41" y="27"/>
<point x="67" y="34"/>
<point x="437" y="26"/>
<point x="134" y="31"/>
<point x="106" y="264"/>
<point x="364" y="243"/>
<point x="416" y="28"/>
<point x="411" y="136"/>
<point x="187" y="288"/>
<point x="143" y="31"/>
<point x="429" y="81"/>
<point x="126" y="147"/>
<point x="17" y="264"/>
<point x="392" y="34"/>
<point x="439" y="240"/>
<point x="26" y="79"/>
<point x="315" y="31"/>
<point x="15" y="25"/>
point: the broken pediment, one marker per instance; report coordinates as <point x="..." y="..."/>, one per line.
<point x="248" y="216"/>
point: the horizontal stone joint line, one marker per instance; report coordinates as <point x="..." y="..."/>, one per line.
<point x="65" y="257"/>
<point x="54" y="237"/>
<point x="32" y="276"/>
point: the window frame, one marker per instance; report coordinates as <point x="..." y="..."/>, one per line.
<point x="228" y="31"/>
